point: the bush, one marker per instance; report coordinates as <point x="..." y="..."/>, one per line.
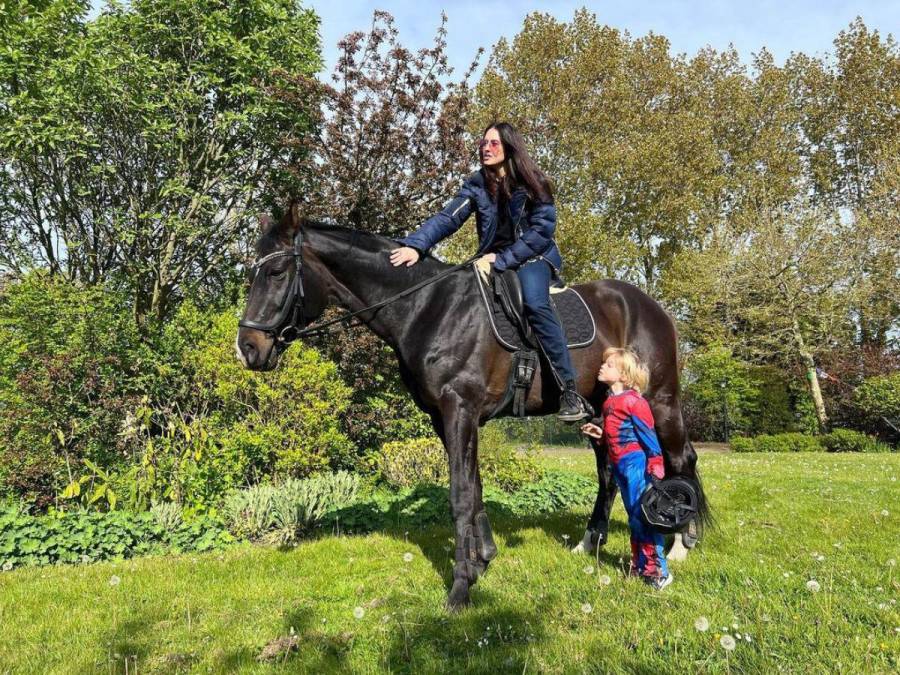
<point x="423" y="461"/>
<point x="789" y="442"/>
<point x="216" y="425"/>
<point x="743" y="444"/>
<point x="503" y="465"/>
<point x="88" y="537"/>
<point x="846" y="440"/>
<point x="721" y="394"/>
<point x="878" y="398"/>
<point x="71" y="366"/>
<point x="413" y="461"/>
<point x="281" y="512"/>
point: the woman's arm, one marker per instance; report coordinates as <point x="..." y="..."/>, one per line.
<point x="443" y="223"/>
<point x="535" y="239"/>
<point x="642" y="419"/>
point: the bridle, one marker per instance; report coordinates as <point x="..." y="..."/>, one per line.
<point x="292" y="302"/>
<point x="284" y="331"/>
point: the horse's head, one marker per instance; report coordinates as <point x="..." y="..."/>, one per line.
<point x="284" y="294"/>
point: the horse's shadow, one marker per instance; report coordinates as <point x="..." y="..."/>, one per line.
<point x="421" y="518"/>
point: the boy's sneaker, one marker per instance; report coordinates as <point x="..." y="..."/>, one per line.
<point x="658" y="583"/>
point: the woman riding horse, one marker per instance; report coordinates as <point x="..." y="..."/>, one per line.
<point x="508" y="189"/>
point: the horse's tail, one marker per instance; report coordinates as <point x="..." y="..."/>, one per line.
<point x="704" y="513"/>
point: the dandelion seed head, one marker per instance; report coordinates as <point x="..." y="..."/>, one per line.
<point x="813" y="586"/>
<point x="702" y="624"/>
<point x="7" y="566"/>
<point x="727" y="642"/>
<point x="587" y="608"/>
<point x="588" y="569"/>
<point x="359" y="612"/>
<point x="114" y="580"/>
<point x="605" y="580"/>
<point x="885" y="513"/>
<point x="407" y="557"/>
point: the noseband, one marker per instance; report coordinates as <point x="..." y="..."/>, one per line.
<point x="292" y="303"/>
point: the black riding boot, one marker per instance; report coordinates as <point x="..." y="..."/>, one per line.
<point x="571" y="408"/>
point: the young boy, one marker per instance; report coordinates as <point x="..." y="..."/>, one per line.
<point x="634" y="455"/>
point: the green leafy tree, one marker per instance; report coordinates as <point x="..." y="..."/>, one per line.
<point x="136" y="147"/>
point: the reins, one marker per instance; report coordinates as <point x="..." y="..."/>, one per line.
<point x="284" y="330"/>
<point x="315" y="331"/>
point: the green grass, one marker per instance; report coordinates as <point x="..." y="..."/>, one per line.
<point x="776" y="514"/>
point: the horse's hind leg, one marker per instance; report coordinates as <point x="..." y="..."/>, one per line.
<point x="597" y="530"/>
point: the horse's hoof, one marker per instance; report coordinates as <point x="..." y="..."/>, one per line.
<point x="691" y="534"/>
<point x="458" y="598"/>
<point x="678" y="553"/>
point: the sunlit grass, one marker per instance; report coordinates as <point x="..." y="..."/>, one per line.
<point x="362" y="604"/>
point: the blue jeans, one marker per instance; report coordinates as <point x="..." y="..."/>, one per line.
<point x="535" y="278"/>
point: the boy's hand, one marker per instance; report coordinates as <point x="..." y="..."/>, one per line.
<point x="592" y="430"/>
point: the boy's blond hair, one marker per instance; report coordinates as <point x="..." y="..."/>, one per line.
<point x="635" y="374"/>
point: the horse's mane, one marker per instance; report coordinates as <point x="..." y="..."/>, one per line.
<point x="374" y="243"/>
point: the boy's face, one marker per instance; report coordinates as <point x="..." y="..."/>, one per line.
<point x="609" y="372"/>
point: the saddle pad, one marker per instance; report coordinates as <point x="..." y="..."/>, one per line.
<point x="578" y="324"/>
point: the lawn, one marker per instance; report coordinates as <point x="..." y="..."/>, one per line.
<point x="787" y="525"/>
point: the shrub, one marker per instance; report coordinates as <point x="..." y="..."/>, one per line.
<point x="556" y="491"/>
<point x="743" y="444"/>
<point x="71" y="366"/>
<point x="878" y="398"/>
<point x="789" y="442"/>
<point x="721" y="394"/>
<point x="846" y="440"/>
<point x="87" y="537"/>
<point x="413" y="461"/>
<point x="502" y="464"/>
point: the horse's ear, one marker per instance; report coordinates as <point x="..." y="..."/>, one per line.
<point x="292" y="220"/>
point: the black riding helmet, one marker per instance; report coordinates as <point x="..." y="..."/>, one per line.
<point x="669" y="505"/>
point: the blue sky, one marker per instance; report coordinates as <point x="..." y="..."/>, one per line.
<point x="783" y="26"/>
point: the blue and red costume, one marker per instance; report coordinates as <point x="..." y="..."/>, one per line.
<point x="635" y="456"/>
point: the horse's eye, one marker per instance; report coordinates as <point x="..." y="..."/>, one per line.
<point x="278" y="275"/>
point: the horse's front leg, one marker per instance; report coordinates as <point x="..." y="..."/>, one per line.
<point x="597" y="531"/>
<point x="474" y="542"/>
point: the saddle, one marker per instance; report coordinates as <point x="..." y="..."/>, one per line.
<point x="502" y="297"/>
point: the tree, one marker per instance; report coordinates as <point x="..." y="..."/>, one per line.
<point x="391" y="144"/>
<point x="135" y="148"/>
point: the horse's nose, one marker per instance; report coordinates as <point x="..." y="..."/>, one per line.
<point x="250" y="353"/>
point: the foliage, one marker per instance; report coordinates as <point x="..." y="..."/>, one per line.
<point x="420" y="461"/>
<point x="391" y="144"/>
<point x="503" y="464"/>
<point x="411" y="462"/>
<point x="789" y="442"/>
<point x="222" y="426"/>
<point x="73" y="364"/>
<point x="847" y="440"/>
<point x="136" y="146"/>
<point x="80" y="537"/>
<point x="721" y="394"/>
<point x="281" y="512"/>
<point x="877" y="399"/>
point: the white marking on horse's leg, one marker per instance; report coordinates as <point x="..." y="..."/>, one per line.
<point x="678" y="552"/>
<point x="237" y="350"/>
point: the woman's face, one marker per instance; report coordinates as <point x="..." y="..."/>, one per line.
<point x="491" y="148"/>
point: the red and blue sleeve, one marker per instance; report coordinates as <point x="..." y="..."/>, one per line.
<point x="642" y="419"/>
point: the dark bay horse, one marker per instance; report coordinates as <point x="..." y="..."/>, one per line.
<point x="448" y="357"/>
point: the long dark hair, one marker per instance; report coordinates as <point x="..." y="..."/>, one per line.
<point x="520" y="168"/>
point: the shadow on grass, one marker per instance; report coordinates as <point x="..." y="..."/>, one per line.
<point x="423" y="518"/>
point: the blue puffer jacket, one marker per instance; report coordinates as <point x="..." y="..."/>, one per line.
<point x="533" y="225"/>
